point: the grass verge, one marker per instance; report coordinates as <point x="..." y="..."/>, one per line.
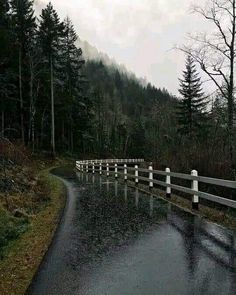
<point x="25" y="254"/>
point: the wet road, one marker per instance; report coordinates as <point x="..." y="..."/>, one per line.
<point x="114" y="240"/>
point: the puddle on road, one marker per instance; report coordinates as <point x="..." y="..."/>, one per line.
<point x="121" y="241"/>
<point x="123" y="218"/>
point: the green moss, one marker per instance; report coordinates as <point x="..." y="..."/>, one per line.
<point x="10" y="229"/>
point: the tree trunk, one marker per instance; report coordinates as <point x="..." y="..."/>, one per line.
<point x="230" y="127"/>
<point x="72" y="140"/>
<point x="231" y="90"/>
<point x="71" y="134"/>
<point x="52" y="110"/>
<point x="33" y="133"/>
<point x="42" y="127"/>
<point x="21" y="98"/>
<point x="31" y="103"/>
<point x="63" y="133"/>
<point x="3" y="123"/>
<point x="126" y="145"/>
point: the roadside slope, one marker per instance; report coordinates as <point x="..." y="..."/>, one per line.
<point x="25" y="254"/>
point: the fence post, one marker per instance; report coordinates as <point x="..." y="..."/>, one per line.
<point x="136" y="174"/>
<point x="150" y="177"/>
<point x="82" y="167"/>
<point x="93" y="168"/>
<point x="195" y="198"/>
<point x="107" y="169"/>
<point x="168" y="181"/>
<point x="125" y="172"/>
<point x="116" y="170"/>
<point x="100" y="168"/>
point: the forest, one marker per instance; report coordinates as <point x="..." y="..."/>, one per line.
<point x="63" y="102"/>
<point x="56" y="103"/>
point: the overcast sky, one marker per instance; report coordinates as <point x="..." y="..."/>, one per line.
<point x="138" y="33"/>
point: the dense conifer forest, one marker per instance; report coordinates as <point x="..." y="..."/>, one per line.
<point x="54" y="101"/>
<point x="63" y="102"/>
<point x="51" y="100"/>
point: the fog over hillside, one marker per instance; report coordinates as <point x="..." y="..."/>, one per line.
<point x="92" y="53"/>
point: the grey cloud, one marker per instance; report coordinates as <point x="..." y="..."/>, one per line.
<point x="137" y="33"/>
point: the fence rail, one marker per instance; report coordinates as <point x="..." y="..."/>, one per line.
<point x="110" y="161"/>
<point x="148" y="176"/>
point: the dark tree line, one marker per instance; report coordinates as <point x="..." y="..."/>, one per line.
<point x="42" y="87"/>
<point x="122" y="109"/>
<point x="52" y="100"/>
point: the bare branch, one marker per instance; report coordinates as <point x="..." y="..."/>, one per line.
<point x="214" y="19"/>
<point x="223" y="7"/>
<point x="200" y="61"/>
<point x="212" y="45"/>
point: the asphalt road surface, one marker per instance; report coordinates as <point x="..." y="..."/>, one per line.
<point x="114" y="240"/>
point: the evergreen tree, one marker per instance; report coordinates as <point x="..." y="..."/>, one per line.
<point x="7" y="88"/>
<point x="138" y="140"/>
<point x="51" y="31"/>
<point x="23" y="21"/>
<point x="35" y="60"/>
<point x="4" y="30"/>
<point x="72" y="56"/>
<point x="72" y="80"/>
<point x="192" y="108"/>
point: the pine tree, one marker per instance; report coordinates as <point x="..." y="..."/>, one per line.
<point x="4" y="30"/>
<point x="71" y="64"/>
<point x="51" y="31"/>
<point x="192" y="108"/>
<point x="71" y="56"/>
<point x="6" y="85"/>
<point x="35" y="60"/>
<point x="23" y="21"/>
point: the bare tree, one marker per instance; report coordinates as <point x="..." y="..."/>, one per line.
<point x="215" y="53"/>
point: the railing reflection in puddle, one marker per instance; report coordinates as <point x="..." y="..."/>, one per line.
<point x="216" y="242"/>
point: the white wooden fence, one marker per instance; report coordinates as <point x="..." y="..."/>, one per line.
<point x="110" y="161"/>
<point x="150" y="176"/>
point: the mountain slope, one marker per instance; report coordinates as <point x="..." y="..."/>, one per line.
<point x="124" y="111"/>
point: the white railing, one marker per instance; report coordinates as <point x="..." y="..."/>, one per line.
<point x="150" y="176"/>
<point x="110" y="161"/>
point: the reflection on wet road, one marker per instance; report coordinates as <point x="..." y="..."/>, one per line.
<point x="115" y="240"/>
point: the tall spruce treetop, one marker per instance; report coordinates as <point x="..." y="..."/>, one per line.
<point x="23" y="24"/>
<point x="23" y="21"/>
<point x="4" y="31"/>
<point x="50" y="31"/>
<point x="5" y="58"/>
<point x="192" y="108"/>
<point x="71" y="57"/>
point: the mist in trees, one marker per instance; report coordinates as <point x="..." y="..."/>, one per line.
<point x="54" y="102"/>
<point x="123" y="122"/>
